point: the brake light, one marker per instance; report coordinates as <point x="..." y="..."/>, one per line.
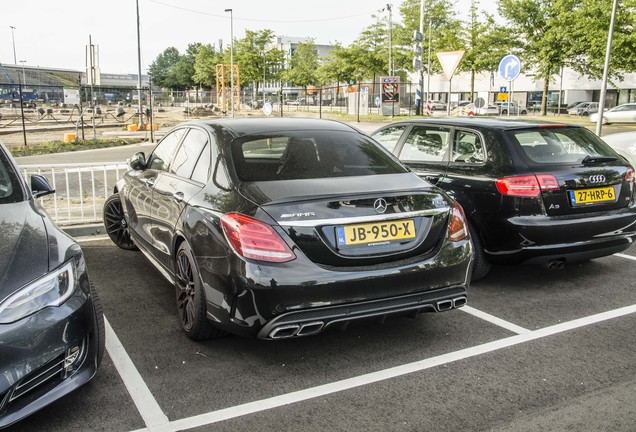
<point x="458" y="229"/>
<point x="629" y="175"/>
<point x="254" y="239"/>
<point x="526" y="186"/>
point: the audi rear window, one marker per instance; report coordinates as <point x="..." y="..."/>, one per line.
<point x="559" y="145"/>
<point x="310" y="154"/>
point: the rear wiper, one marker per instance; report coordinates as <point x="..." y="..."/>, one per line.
<point x="589" y="160"/>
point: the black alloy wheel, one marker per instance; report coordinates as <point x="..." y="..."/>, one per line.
<point x="481" y="266"/>
<point x="116" y="224"/>
<point x="191" y="298"/>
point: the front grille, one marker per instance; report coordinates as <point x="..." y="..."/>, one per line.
<point x="40" y="381"/>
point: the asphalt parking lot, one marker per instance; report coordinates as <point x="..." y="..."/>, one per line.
<point x="534" y="350"/>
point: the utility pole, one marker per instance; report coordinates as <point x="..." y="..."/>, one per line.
<point x="15" y="61"/>
<point x="231" y="59"/>
<point x="388" y="7"/>
<point x="140" y="108"/>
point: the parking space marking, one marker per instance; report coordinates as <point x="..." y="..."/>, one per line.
<point x="145" y="402"/>
<point x="494" y="320"/>
<point x="373" y="377"/>
<point x="91" y="239"/>
<point x="625" y="256"/>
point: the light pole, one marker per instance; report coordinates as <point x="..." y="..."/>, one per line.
<point x="231" y="59"/>
<point x="140" y="107"/>
<point x="388" y="7"/>
<point x="23" y="74"/>
<point x="15" y="62"/>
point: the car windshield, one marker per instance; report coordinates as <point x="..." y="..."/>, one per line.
<point x="10" y="190"/>
<point x="310" y="154"/>
<point x="557" y="145"/>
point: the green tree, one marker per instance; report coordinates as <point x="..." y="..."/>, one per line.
<point x="257" y="58"/>
<point x="160" y="69"/>
<point x="544" y="31"/>
<point x="303" y="65"/>
<point x="485" y="43"/>
<point x="205" y="66"/>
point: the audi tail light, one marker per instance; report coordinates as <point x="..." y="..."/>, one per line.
<point x="528" y="186"/>
<point x="254" y="239"/>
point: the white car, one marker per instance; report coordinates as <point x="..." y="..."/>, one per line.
<point x="624" y="144"/>
<point x="625" y="113"/>
<point x="471" y="110"/>
<point x="514" y="108"/>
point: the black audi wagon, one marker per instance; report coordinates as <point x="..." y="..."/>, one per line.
<point x="51" y="324"/>
<point x="279" y="228"/>
<point x="533" y="193"/>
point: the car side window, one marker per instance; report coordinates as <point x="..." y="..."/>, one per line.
<point x="426" y="144"/>
<point x="163" y="153"/>
<point x="468" y="147"/>
<point x="390" y="136"/>
<point x="188" y="154"/>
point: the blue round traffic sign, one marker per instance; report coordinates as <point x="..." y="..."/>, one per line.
<point x="510" y="67"/>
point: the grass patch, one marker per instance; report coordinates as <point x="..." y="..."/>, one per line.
<point x="60" y="146"/>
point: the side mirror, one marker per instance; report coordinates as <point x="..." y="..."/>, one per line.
<point x="138" y="161"/>
<point x="40" y="186"/>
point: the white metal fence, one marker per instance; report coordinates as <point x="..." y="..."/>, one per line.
<point x="80" y="189"/>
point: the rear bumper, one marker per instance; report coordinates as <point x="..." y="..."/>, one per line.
<point x="272" y="296"/>
<point x="540" y="239"/>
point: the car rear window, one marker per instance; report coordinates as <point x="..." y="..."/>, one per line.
<point x="310" y="154"/>
<point x="558" y="145"/>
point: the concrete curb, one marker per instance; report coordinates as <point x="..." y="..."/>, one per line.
<point x="87" y="230"/>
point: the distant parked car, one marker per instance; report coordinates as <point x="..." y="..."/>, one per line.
<point x="280" y="228"/>
<point x="437" y="105"/>
<point x="472" y="110"/>
<point x="583" y="108"/>
<point x="533" y="193"/>
<point x="513" y="107"/>
<point x="51" y="324"/>
<point x="624" y="143"/>
<point x="625" y="113"/>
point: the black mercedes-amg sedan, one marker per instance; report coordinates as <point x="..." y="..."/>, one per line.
<point x="534" y="193"/>
<point x="279" y="228"/>
<point x="51" y="322"/>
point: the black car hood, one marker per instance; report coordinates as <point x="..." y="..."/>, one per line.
<point x="24" y="247"/>
<point x="274" y="192"/>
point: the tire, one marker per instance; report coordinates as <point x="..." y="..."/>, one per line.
<point x="116" y="224"/>
<point x="98" y="324"/>
<point x="190" y="297"/>
<point x="481" y="266"/>
<point x="504" y="112"/>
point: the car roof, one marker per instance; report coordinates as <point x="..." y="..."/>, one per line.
<point x="499" y="124"/>
<point x="250" y="126"/>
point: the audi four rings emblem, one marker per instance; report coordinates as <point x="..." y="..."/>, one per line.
<point x="380" y="205"/>
<point x="597" y="178"/>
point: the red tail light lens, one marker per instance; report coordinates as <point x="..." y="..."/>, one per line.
<point x="629" y="175"/>
<point x="458" y="228"/>
<point x="526" y="186"/>
<point x="254" y="239"/>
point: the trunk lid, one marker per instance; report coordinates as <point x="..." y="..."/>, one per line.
<point x="356" y="220"/>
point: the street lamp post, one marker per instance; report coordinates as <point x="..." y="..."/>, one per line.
<point x="15" y="62"/>
<point x="231" y="60"/>
<point x="389" y="8"/>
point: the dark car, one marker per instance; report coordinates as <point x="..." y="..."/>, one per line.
<point x="532" y="193"/>
<point x="51" y="322"/>
<point x="279" y="228"/>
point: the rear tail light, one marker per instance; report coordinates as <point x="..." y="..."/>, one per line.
<point x="254" y="239"/>
<point x="527" y="186"/>
<point x="458" y="228"/>
<point x="629" y="175"/>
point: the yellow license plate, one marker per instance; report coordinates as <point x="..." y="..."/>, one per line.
<point x="372" y="234"/>
<point x="589" y="196"/>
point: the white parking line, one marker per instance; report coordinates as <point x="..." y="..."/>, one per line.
<point x="625" y="256"/>
<point x="90" y="239"/>
<point x="139" y="392"/>
<point x="351" y="383"/>
<point x="494" y="320"/>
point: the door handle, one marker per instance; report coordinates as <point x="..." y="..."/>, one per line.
<point x="177" y="197"/>
<point x="150" y="182"/>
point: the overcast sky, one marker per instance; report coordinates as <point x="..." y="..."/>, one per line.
<point x="54" y="33"/>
